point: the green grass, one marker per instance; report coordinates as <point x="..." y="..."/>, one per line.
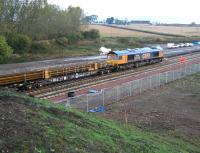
<point x="55" y="52"/>
<point x="40" y="126"/>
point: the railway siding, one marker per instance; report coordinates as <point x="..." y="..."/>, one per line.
<point x="59" y="91"/>
<point x="118" y="90"/>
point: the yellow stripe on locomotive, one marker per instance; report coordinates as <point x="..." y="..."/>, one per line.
<point x="114" y="59"/>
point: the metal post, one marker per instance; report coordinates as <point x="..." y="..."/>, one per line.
<point x="87" y="102"/>
<point x="103" y="97"/>
<point x="130" y="88"/>
<point x="199" y="67"/>
<point x="67" y="103"/>
<point x="117" y="93"/>
<point x="159" y="80"/>
<point x="185" y="69"/>
<point x="166" y="78"/>
<point x="173" y="75"/>
<point x="150" y="82"/>
<point x="140" y="86"/>
<point x="196" y="68"/>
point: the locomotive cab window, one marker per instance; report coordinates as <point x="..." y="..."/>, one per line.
<point x="156" y="54"/>
<point x="131" y="57"/>
<point x="112" y="57"/>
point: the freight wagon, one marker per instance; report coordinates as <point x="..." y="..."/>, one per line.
<point x="35" y="79"/>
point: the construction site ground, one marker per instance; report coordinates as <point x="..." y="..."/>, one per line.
<point x="171" y="109"/>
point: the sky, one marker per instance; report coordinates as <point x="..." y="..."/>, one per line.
<point x="163" y="11"/>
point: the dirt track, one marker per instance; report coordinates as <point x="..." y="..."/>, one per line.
<point x="174" y="108"/>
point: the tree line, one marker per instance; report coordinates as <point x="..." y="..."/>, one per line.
<point x="24" y="22"/>
<point x="38" y="19"/>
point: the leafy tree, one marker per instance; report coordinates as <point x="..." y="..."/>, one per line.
<point x="92" y="34"/>
<point x="110" y="20"/>
<point x="91" y="19"/>
<point x="38" y="19"/>
<point x="74" y="37"/>
<point x="19" y="42"/>
<point x="120" y="22"/>
<point x="23" y="43"/>
<point x="5" y="49"/>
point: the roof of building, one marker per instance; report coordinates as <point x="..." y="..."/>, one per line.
<point x="134" y="51"/>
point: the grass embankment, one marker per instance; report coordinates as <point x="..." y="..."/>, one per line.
<point x="56" y="51"/>
<point x="32" y="125"/>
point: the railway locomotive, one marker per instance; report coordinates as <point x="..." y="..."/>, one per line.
<point x="134" y="57"/>
<point x="116" y="61"/>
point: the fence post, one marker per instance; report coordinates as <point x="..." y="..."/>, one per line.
<point x="103" y="97"/>
<point x="172" y="70"/>
<point x="166" y="77"/>
<point x="87" y="102"/>
<point x="117" y="93"/>
<point x="191" y="69"/>
<point x="172" y="75"/>
<point x="159" y="80"/>
<point x="196" y="68"/>
<point x="185" y="69"/>
<point x="67" y="103"/>
<point x="130" y="84"/>
<point x="140" y="85"/>
<point x="150" y="81"/>
<point x="199" y="67"/>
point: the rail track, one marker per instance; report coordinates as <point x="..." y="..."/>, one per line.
<point x="61" y="88"/>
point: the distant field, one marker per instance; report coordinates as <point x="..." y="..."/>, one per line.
<point x="113" y="32"/>
<point x="185" y="31"/>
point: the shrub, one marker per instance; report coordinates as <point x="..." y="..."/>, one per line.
<point x="43" y="45"/>
<point x="135" y="44"/>
<point x="19" y="42"/>
<point x="74" y="37"/>
<point x="5" y="49"/>
<point x="24" y="42"/>
<point x="123" y="40"/>
<point x="62" y="41"/>
<point x="92" y="34"/>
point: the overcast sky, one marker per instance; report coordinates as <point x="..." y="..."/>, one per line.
<point x="165" y="11"/>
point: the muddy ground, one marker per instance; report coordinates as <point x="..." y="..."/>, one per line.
<point x="172" y="109"/>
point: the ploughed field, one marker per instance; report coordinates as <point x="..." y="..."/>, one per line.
<point x="173" y="109"/>
<point x="182" y="30"/>
<point x="176" y="30"/>
<point x="114" y="32"/>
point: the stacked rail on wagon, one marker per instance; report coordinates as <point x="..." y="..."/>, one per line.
<point x="21" y="77"/>
<point x="52" y="73"/>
